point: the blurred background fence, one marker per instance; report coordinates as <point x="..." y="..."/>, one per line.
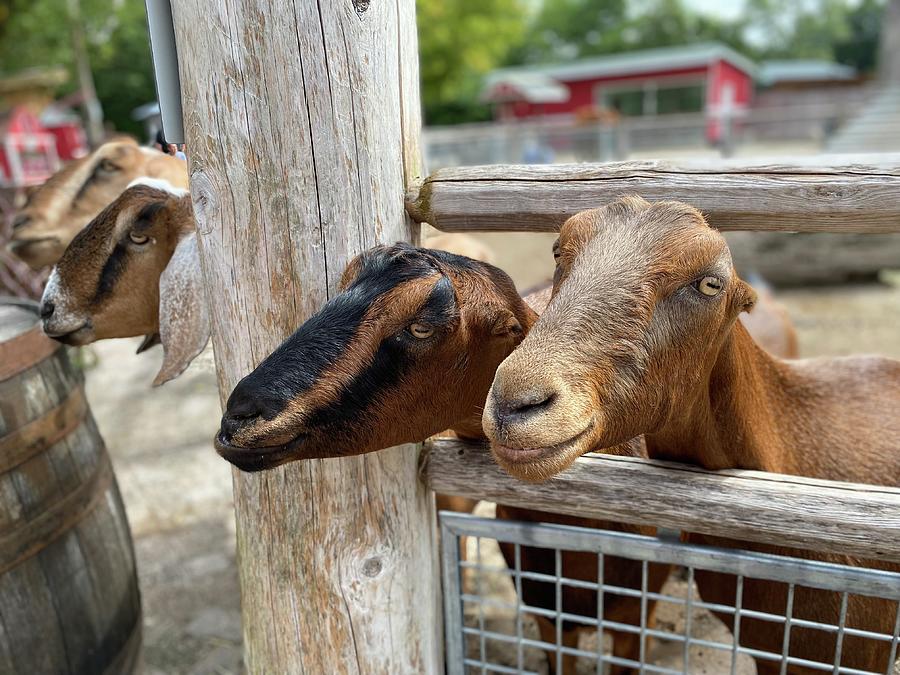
<point x="805" y="128"/>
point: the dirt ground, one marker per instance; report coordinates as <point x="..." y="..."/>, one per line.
<point x="178" y="492"/>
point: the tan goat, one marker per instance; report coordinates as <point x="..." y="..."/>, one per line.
<point x="642" y="337"/>
<point x="73" y="196"/>
<point x="135" y="270"/>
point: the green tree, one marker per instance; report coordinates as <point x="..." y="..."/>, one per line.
<point x="860" y="47"/>
<point x="567" y="29"/>
<point x="460" y="41"/>
<point x="36" y="33"/>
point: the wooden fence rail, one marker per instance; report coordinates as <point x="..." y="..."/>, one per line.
<point x="838" y="193"/>
<point x="820" y="515"/>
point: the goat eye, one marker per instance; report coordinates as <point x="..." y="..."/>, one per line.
<point x="556" y="250"/>
<point x="421" y="330"/>
<point x="108" y="166"/>
<point x="709" y="286"/>
<point x="137" y="238"/>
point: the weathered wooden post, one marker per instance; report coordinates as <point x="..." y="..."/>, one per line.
<point x="302" y="124"/>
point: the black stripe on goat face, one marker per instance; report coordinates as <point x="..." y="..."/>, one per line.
<point x="117" y="261"/>
<point x="320" y="384"/>
<point x="108" y="277"/>
<point x="395" y="356"/>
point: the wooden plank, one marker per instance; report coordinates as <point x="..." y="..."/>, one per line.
<point x="68" y="580"/>
<point x="825" y="516"/>
<point x="32" y="630"/>
<point x="42" y="433"/>
<point x="23" y="351"/>
<point x="54" y="518"/>
<point x="840" y="193"/>
<point x="26" y="397"/>
<point x="302" y="125"/>
<point x="6" y="652"/>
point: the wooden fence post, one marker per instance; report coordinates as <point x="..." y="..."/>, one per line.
<point x="302" y="125"/>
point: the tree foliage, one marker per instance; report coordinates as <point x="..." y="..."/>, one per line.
<point x="461" y="40"/>
<point x="36" y="33"/>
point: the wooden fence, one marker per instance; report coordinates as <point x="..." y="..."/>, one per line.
<point x="302" y="125"/>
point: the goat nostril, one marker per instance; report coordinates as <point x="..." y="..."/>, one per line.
<point x="47" y="310"/>
<point x="20" y="221"/>
<point x="525" y="406"/>
<point x="231" y="424"/>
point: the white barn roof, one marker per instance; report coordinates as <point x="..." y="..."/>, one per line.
<point x="542" y="84"/>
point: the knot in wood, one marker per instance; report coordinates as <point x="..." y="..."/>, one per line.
<point x="360" y="6"/>
<point x="203" y="197"/>
<point x="372" y="567"/>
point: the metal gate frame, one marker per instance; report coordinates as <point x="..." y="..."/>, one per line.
<point x="665" y="548"/>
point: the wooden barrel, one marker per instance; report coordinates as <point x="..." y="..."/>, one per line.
<point x="69" y="599"/>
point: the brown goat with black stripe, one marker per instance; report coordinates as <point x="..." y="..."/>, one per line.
<point x="407" y="349"/>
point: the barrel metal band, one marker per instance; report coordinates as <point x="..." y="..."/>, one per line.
<point x="40" y="434"/>
<point x="25" y="350"/>
<point x="127" y="659"/>
<point x="30" y="537"/>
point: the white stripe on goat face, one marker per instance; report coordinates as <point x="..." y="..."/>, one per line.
<point x="63" y="319"/>
<point x="159" y="184"/>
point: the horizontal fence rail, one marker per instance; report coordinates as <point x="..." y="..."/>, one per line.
<point x="796" y="512"/>
<point x="837" y="193"/>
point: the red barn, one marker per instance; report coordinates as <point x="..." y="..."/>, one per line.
<point x="28" y="152"/>
<point x="65" y="125"/>
<point x="709" y="78"/>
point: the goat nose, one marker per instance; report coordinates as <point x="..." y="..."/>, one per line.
<point x="523" y="406"/>
<point x="236" y="416"/>
<point x="47" y="309"/>
<point x="21" y="220"/>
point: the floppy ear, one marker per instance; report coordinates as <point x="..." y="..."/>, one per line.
<point x="183" y="314"/>
<point x="506" y="323"/>
<point x="351" y="272"/>
<point x="150" y="340"/>
<point x="744" y="296"/>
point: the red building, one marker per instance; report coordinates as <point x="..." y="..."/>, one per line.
<point x="28" y="153"/>
<point x="709" y="78"/>
<point x="65" y="125"/>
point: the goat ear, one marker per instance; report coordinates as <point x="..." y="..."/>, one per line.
<point x="148" y="342"/>
<point x="744" y="297"/>
<point x="350" y="273"/>
<point x="506" y="323"/>
<point x="183" y="313"/>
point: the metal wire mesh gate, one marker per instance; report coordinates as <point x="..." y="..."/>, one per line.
<point x="470" y="638"/>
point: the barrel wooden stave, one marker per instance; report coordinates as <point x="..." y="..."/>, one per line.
<point x="69" y="600"/>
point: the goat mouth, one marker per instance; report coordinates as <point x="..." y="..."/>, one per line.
<point x="18" y="245"/>
<point x="526" y="456"/>
<point x="258" y="458"/>
<point x="74" y="338"/>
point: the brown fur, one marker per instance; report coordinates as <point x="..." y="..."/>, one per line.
<point x="131" y="307"/>
<point x="628" y="346"/>
<point x="489" y="325"/>
<point x="61" y="207"/>
<point x="424" y="410"/>
<point x="484" y="301"/>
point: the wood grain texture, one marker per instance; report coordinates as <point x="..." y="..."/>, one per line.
<point x="69" y="600"/>
<point x="839" y="193"/>
<point x="302" y="125"/>
<point x="819" y="515"/>
<point x="38" y="435"/>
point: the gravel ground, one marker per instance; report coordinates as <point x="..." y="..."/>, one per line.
<point x="178" y="492"/>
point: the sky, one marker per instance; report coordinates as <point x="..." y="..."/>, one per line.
<point x="726" y="9"/>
